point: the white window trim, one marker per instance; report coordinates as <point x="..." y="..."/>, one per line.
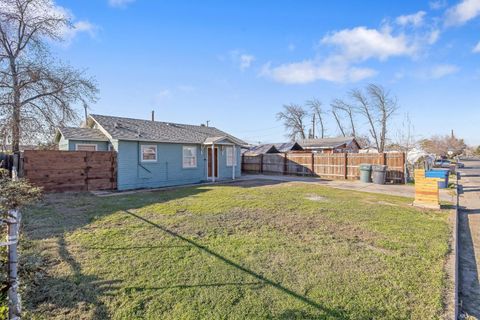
<point x="234" y="157"/>
<point x="148" y="146"/>
<point x="86" y="144"/>
<point x="183" y="157"/>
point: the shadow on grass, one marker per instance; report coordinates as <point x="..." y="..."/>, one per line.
<point x="190" y="286"/>
<point x="276" y="285"/>
<point x="71" y="291"/>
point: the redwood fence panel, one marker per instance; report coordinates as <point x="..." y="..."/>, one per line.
<point x="71" y="170"/>
<point x="330" y="166"/>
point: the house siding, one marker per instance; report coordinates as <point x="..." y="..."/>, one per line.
<point x="63" y="144"/>
<point x="224" y="171"/>
<point x="168" y="169"/>
<point x="69" y="145"/>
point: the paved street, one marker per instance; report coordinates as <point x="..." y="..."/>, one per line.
<point x="470" y="239"/>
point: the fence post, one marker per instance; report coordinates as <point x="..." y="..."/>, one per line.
<point x="261" y="163"/>
<point x="313" y="164"/>
<point x="345" y="164"/>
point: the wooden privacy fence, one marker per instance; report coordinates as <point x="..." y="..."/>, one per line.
<point x="330" y="166"/>
<point x="70" y="170"/>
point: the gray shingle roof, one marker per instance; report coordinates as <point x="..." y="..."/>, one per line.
<point x="82" y="134"/>
<point x="288" y="146"/>
<point x="155" y="131"/>
<point x="262" y="149"/>
<point x="326" y="142"/>
<point x="274" y="148"/>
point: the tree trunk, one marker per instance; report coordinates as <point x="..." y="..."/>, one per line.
<point x="338" y="122"/>
<point x="14" y="304"/>
<point x="16" y="107"/>
<point x="322" y="128"/>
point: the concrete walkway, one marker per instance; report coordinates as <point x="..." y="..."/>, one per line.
<point x="469" y="230"/>
<point x="396" y="189"/>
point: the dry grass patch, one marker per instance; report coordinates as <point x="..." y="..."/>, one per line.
<point x="249" y="250"/>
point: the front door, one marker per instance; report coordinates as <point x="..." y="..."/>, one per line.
<point x="215" y="164"/>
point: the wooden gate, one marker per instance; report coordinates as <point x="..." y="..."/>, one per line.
<point x="71" y="170"/>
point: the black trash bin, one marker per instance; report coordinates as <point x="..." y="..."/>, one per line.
<point x="379" y="174"/>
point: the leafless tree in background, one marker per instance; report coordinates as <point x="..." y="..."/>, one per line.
<point x="316" y="108"/>
<point x="336" y="116"/>
<point x="447" y="145"/>
<point x="377" y="106"/>
<point x="293" y="117"/>
<point x="385" y="106"/>
<point x="349" y="110"/>
<point x="363" y="107"/>
<point x="37" y="93"/>
<point x="405" y="139"/>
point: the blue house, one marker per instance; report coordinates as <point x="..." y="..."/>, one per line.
<point x="153" y="154"/>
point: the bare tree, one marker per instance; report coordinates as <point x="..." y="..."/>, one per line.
<point x="336" y="116"/>
<point x="405" y="139"/>
<point x="316" y="109"/>
<point x="447" y="145"/>
<point x="36" y="93"/>
<point x="386" y="105"/>
<point x="293" y="117"/>
<point x="363" y="107"/>
<point x="339" y="104"/>
<point x="377" y="106"/>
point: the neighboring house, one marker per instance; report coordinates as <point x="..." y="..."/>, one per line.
<point x="273" y="148"/>
<point x="156" y="154"/>
<point x="331" y="145"/>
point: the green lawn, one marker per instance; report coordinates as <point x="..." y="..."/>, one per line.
<point x="248" y="250"/>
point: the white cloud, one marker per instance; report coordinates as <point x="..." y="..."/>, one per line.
<point x="433" y="36"/>
<point x="462" y="12"/>
<point x="361" y="43"/>
<point x="415" y="19"/>
<point x="246" y="61"/>
<point x="119" y="3"/>
<point x="350" y="47"/>
<point x="241" y="59"/>
<point x="441" y="71"/>
<point x="438" y="4"/>
<point x="476" y="49"/>
<point x="334" y="69"/>
<point x="163" y="93"/>
<point x="69" y="33"/>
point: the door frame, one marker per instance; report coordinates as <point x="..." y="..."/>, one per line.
<point x="216" y="160"/>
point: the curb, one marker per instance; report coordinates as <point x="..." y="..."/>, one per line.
<point x="456" y="245"/>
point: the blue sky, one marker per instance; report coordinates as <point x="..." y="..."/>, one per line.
<point x="237" y="63"/>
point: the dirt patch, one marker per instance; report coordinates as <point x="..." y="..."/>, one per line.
<point x="315" y="197"/>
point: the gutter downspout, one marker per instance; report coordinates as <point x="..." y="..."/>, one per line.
<point x="213" y="162"/>
<point x="234" y="156"/>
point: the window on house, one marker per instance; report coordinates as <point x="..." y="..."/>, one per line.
<point x="85" y="147"/>
<point x="189" y="157"/>
<point x="149" y="153"/>
<point x="231" y="159"/>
